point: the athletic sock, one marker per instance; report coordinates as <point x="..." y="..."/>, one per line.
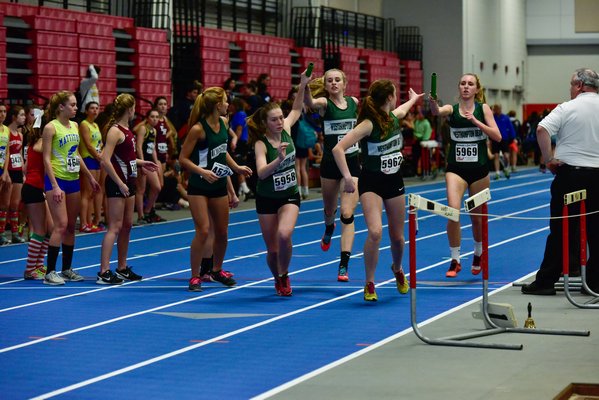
<point x="244" y="187"/>
<point x="330" y="219"/>
<point x="329" y="229"/>
<point x="67" y="256"/>
<point x="43" y="250"/>
<point x="13" y="217"/>
<point x="344" y="258"/>
<point x="478" y="248"/>
<point x="33" y="251"/>
<point x="52" y="257"/>
<point x="206" y="265"/>
<point x="455" y="253"/>
<point x="3" y="215"/>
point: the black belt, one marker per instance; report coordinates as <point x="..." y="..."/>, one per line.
<point x="572" y="167"/>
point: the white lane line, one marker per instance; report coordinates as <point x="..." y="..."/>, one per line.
<point x="374" y="346"/>
<point x="229" y="260"/>
<point x="183" y="350"/>
<point x="80" y="329"/>
<point x="256" y="220"/>
<point x="143" y="239"/>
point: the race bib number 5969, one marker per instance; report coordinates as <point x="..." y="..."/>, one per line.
<point x="466" y="152"/>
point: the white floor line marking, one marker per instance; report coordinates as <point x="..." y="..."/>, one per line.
<point x="236" y="332"/>
<point x="431" y="285"/>
<point x="226" y="261"/>
<point x="80" y="329"/>
<point x="256" y="220"/>
<point x="374" y="346"/>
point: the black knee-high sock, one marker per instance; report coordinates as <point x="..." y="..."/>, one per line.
<point x="52" y="257"/>
<point x="329" y="229"/>
<point x="67" y="256"/>
<point x="206" y="265"/>
<point x="344" y="258"/>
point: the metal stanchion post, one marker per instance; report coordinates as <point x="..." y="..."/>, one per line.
<point x="571" y="198"/>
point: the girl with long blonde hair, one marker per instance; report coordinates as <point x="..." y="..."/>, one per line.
<point x="471" y="122"/>
<point x="204" y="155"/>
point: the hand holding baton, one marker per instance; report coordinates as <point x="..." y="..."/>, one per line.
<point x="309" y="69"/>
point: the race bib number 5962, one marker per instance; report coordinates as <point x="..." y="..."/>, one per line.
<point x="390" y="163"/>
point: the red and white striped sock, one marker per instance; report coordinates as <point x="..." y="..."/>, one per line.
<point x="33" y="252"/>
<point x="14" y="221"/>
<point x="3" y="221"/>
<point x="43" y="251"/>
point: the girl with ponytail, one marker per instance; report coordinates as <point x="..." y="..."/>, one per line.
<point x="339" y="112"/>
<point x="204" y="155"/>
<point x="121" y="164"/>
<point x="380" y="181"/>
<point x="277" y="195"/>
<point x="471" y="122"/>
<point x="62" y="163"/>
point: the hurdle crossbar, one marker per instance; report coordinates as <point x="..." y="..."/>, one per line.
<point x="457" y="340"/>
<point x="569" y="199"/>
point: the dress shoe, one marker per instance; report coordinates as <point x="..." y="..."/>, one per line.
<point x="535" y="289"/>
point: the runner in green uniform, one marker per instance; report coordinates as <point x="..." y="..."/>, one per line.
<point x="380" y="181"/>
<point x="204" y="155"/>
<point x="339" y="114"/>
<point x="277" y="195"/>
<point x="471" y="122"/>
<point x="146" y="149"/>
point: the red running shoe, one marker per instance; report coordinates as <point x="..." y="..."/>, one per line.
<point x="284" y="286"/>
<point x="342" y="275"/>
<point x="195" y="284"/>
<point x="453" y="270"/>
<point x="325" y="242"/>
<point x="476" y="265"/>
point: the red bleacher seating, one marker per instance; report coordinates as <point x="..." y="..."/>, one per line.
<point x="147" y="34"/>
<point x="55" y="39"/>
<point x="18" y="10"/>
<point x="96" y="30"/>
<point x="253" y="47"/>
<point x="96" y="43"/>
<point x="152" y="60"/>
<point x="44" y="23"/>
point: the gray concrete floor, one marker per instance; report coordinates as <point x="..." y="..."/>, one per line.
<point x="407" y="368"/>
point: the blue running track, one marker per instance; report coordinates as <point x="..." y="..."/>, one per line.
<point x="153" y="339"/>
